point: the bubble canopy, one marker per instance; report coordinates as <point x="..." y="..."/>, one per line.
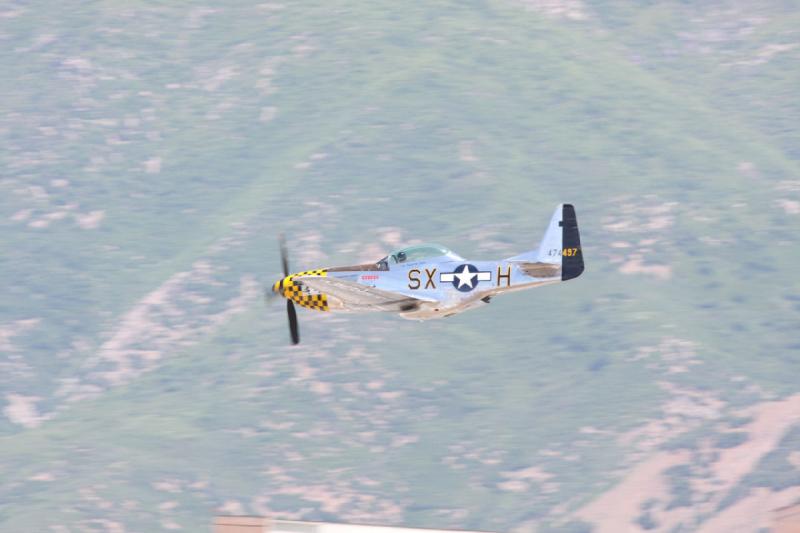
<point x="420" y="252"/>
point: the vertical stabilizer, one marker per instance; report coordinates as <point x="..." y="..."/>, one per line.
<point x="561" y="244"/>
<point x="549" y="250"/>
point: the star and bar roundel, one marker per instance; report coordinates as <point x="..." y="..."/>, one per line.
<point x="465" y="277"/>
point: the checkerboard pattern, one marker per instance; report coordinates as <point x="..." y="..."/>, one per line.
<point x="302" y="296"/>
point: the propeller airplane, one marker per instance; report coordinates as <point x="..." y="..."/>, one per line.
<point x="429" y="281"/>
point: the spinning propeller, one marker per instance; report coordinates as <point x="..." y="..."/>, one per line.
<point x="290" y="311"/>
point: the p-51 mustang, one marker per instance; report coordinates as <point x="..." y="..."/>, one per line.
<point x="429" y="281"/>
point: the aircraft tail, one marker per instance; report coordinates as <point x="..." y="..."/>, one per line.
<point x="561" y="245"/>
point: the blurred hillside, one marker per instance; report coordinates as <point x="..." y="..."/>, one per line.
<point x="152" y="151"/>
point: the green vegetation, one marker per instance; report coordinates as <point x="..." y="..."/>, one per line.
<point x="151" y="153"/>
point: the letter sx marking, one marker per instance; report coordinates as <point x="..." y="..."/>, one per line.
<point x="414" y="281"/>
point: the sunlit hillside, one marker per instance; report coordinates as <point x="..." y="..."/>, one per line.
<point x="151" y="152"/>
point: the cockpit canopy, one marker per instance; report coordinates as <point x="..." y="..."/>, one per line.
<point x="418" y="252"/>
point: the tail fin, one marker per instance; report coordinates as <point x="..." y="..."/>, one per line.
<point x="561" y="244"/>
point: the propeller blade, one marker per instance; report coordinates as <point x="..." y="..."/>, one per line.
<point x="290" y="311"/>
<point x="292" y="321"/>
<point x="284" y="255"/>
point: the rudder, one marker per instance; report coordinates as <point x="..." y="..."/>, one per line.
<point x="572" y="254"/>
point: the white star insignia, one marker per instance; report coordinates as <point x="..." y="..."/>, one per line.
<point x="465" y="277"/>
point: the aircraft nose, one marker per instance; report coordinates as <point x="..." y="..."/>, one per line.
<point x="276" y="287"/>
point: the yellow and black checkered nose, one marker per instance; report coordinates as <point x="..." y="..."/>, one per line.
<point x="287" y="288"/>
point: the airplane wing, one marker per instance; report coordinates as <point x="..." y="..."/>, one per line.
<point x="356" y="296"/>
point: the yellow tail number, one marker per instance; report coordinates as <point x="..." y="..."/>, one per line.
<point x="569" y="252"/>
